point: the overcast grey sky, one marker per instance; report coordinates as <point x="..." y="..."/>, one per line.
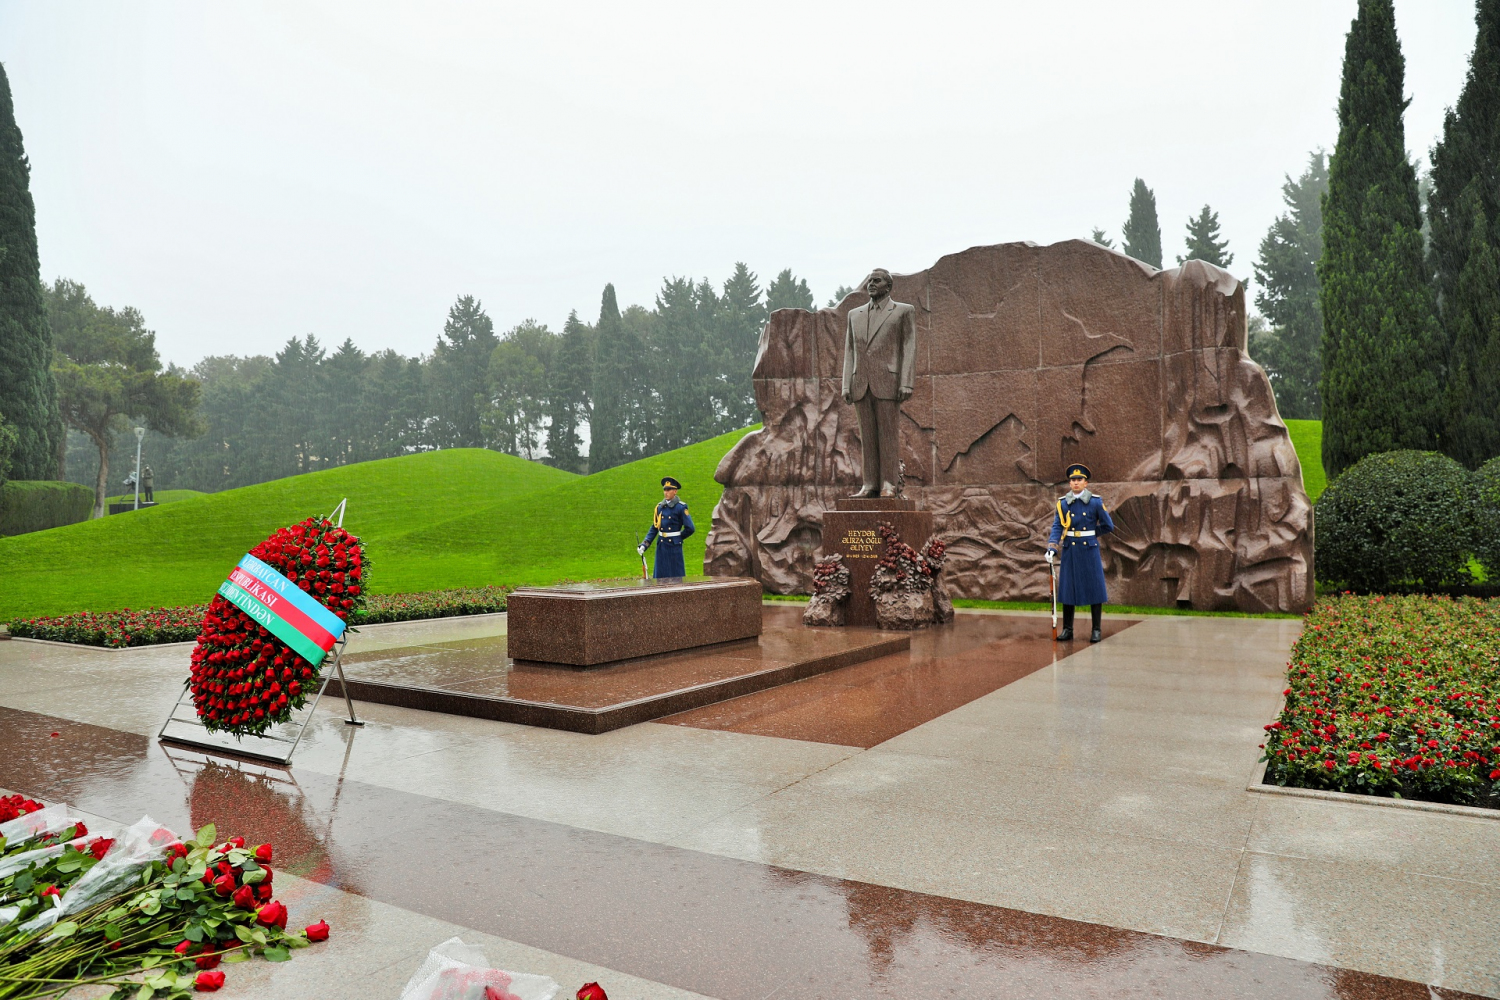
<point x="243" y="173"/>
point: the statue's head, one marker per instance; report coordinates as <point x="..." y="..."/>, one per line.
<point x="879" y="284"/>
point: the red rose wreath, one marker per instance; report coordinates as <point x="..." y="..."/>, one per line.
<point x="244" y="678"/>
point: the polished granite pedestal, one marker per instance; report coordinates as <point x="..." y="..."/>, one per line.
<point x="583" y="624"/>
<point x="852" y="529"/>
<point x="478" y="677"/>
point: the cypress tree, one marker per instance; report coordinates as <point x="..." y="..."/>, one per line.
<point x="1381" y="342"/>
<point x="28" y="395"/>
<point x="1464" y="212"/>
<point x="614" y="361"/>
<point x="1203" y="241"/>
<point x="1141" y="233"/>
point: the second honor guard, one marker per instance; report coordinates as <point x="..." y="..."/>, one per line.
<point x="670" y="525"/>
<point x="1081" y="519"/>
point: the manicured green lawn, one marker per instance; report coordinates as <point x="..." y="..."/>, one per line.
<point x="584" y="529"/>
<point x="178" y="553"/>
<point x="1307" y="438"/>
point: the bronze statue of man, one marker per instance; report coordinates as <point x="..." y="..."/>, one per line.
<point x="880" y="350"/>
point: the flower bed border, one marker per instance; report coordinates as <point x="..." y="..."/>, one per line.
<point x="191" y="642"/>
<point x="1259" y="785"/>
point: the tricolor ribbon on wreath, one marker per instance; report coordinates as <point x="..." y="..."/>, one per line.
<point x="283" y="609"/>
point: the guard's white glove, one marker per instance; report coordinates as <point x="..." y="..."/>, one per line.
<point x="640" y="549"/>
<point x="1050" y="554"/>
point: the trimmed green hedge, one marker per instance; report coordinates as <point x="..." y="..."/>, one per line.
<point x="1487" y="518"/>
<point x="1397" y="519"/>
<point x="36" y="505"/>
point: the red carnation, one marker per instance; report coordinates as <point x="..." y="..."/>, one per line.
<point x="317" y="931"/>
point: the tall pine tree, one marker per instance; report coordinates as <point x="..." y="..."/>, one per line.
<point x="1464" y="212"/>
<point x="458" y="372"/>
<point x="568" y="394"/>
<point x="1203" y="241"/>
<point x="788" y="292"/>
<point x="28" y="394"/>
<point x="1141" y="234"/>
<point x="615" y="360"/>
<point x="742" y="314"/>
<point x="1381" y="342"/>
<point x="1287" y="273"/>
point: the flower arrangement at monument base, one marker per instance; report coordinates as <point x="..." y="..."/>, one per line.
<point x="904" y="583"/>
<point x="245" y="679"/>
<point x="831" y="591"/>
<point x="145" y="914"/>
<point x="1393" y="696"/>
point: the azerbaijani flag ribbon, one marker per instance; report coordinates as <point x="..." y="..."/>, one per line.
<point x="283" y="608"/>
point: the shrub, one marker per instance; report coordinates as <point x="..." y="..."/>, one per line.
<point x="1486" y="532"/>
<point x="37" y="505"/>
<point x="1396" y="519"/>
<point x="1395" y="696"/>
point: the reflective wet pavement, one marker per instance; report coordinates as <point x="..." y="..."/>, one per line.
<point x="1081" y="831"/>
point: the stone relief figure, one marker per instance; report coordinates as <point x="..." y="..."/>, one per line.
<point x="880" y="350"/>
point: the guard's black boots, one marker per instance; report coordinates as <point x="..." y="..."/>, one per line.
<point x="1066" y="635"/>
<point x="1096" y="636"/>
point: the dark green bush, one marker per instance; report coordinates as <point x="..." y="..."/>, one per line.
<point x="36" y="505"/>
<point x="1395" y="520"/>
<point x="1487" y="518"/>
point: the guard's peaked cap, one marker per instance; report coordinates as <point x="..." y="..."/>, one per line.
<point x="1079" y="469"/>
<point x="667" y="481"/>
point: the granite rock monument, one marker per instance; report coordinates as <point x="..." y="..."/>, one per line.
<point x="1027" y="358"/>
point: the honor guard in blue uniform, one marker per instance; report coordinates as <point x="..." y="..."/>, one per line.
<point x="670" y="525"/>
<point x="1080" y="520"/>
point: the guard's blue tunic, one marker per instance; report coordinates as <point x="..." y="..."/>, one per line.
<point x="670" y="524"/>
<point x="1081" y="571"/>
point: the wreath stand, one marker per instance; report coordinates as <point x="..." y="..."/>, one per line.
<point x="278" y="742"/>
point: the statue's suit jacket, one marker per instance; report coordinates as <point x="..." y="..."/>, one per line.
<point x="882" y="359"/>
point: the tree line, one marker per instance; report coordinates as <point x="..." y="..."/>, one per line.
<point x="636" y="382"/>
<point x="1379" y="288"/>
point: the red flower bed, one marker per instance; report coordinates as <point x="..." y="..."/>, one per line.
<point x="119" y="629"/>
<point x="1394" y="696"/>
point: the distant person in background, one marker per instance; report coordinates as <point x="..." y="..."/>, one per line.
<point x="670" y="525"/>
<point x="148" y="495"/>
<point x="1081" y="519"/>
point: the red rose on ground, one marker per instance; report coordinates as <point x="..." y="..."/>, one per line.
<point x="224" y="885"/>
<point x="273" y="914"/>
<point x="317" y="931"/>
<point x="183" y="947"/>
<point x="100" y="846"/>
<point x="208" y="959"/>
<point x="244" y="897"/>
<point x="591" y="991"/>
<point x="208" y="981"/>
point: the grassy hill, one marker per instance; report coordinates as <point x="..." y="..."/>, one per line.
<point x="583" y="529"/>
<point x="178" y="553"/>
<point x="1307" y="438"/>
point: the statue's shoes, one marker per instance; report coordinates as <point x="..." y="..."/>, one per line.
<point x="864" y="494"/>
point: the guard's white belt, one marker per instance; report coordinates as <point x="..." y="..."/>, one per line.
<point x="1081" y="534"/>
<point x="678" y="534"/>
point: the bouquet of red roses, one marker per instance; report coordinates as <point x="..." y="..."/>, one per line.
<point x="245" y="679"/>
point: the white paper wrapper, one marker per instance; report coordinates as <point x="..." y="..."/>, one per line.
<point x="146" y="841"/>
<point x="51" y="819"/>
<point x="456" y="971"/>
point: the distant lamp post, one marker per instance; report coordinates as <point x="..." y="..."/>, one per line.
<point x="140" y="432"/>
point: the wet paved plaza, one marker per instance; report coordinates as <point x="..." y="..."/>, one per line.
<point x="982" y="815"/>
